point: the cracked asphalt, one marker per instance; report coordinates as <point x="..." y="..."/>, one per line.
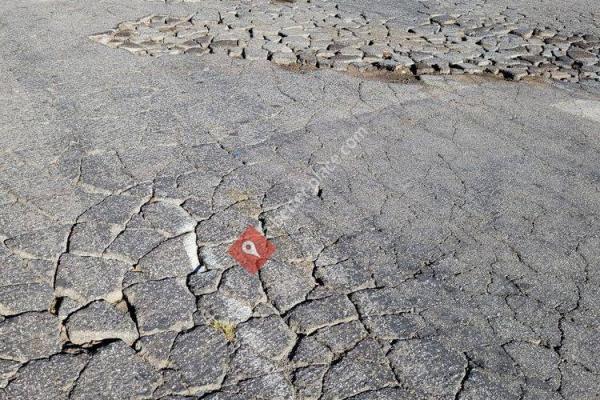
<point x="451" y="252"/>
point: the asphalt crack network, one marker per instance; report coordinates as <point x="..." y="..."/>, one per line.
<point x="450" y="253"/>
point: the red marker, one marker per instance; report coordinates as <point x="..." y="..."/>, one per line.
<point x="252" y="250"/>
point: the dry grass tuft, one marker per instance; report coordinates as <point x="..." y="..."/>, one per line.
<point x="227" y="328"/>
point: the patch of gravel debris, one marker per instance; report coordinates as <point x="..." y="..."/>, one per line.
<point x="318" y="34"/>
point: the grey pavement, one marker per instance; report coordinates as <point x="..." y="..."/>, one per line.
<point x="437" y="226"/>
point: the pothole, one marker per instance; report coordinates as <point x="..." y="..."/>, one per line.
<point x="319" y="35"/>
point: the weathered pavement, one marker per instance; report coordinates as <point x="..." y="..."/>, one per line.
<point x="452" y="251"/>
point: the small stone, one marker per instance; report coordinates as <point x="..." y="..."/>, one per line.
<point x="308" y="58"/>
<point x="478" y="32"/>
<point x="103" y="37"/>
<point x="423" y="68"/>
<point x="362" y="67"/>
<point x="350" y="51"/>
<point x="261" y="31"/>
<point x="274" y="48"/>
<point x="515" y="74"/>
<point x="594" y="69"/>
<point x="132" y="47"/>
<point x="418" y="56"/>
<point x="582" y="56"/>
<point x="253" y="54"/>
<point x="281" y="58"/>
<point x="500" y="29"/>
<point x="273" y="38"/>
<point x="563" y="62"/>
<point x="443" y="19"/>
<point x="294" y="31"/>
<point x="236" y="52"/>
<point x="320" y="44"/>
<point x="190" y="44"/>
<point x="558" y="43"/>
<point x="469" y="68"/>
<point x="223" y="43"/>
<point x="340" y="66"/>
<point x="533" y="59"/>
<point x="402" y="60"/>
<point x="343" y="59"/>
<point x="204" y="41"/>
<point x="296" y="42"/>
<point x="489" y="43"/>
<point x="425" y="29"/>
<point x="324" y="63"/>
<point x="325" y="54"/>
<point x="442" y="67"/>
<point x="510" y="42"/>
<point x="193" y="32"/>
<point x="560" y="74"/>
<point x="378" y="51"/>
<point x="524" y="32"/>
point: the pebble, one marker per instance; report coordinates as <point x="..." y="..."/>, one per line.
<point x="444" y="19"/>
<point x="515" y="74"/>
<point x="254" y="54"/>
<point x="272" y="47"/>
<point x="284" y="58"/>
<point x="582" y="56"/>
<point x="524" y="31"/>
<point x="469" y="68"/>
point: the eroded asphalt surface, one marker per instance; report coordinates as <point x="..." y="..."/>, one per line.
<point x="451" y="251"/>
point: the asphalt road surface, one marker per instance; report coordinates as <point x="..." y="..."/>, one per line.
<point x="427" y="172"/>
